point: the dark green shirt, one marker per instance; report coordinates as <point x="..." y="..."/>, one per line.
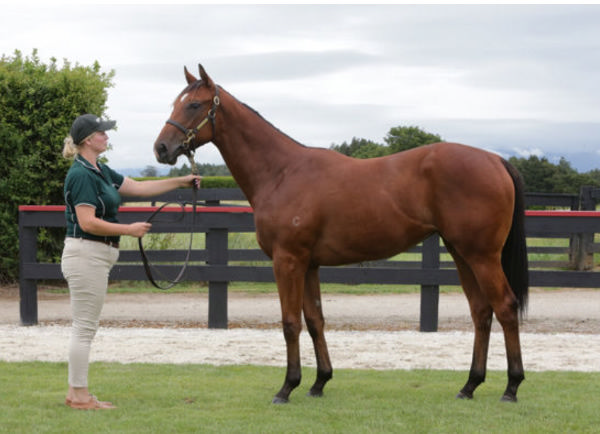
<point x="86" y="185"/>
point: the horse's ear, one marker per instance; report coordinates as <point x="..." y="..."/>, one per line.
<point x="189" y="77"/>
<point x="204" y="77"/>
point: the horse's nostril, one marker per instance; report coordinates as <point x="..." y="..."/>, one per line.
<point x="162" y="150"/>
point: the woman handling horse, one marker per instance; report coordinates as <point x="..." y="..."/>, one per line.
<point x="92" y="194"/>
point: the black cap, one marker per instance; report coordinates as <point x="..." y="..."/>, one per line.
<point x="85" y="125"/>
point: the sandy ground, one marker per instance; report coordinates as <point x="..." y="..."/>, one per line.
<point x="561" y="332"/>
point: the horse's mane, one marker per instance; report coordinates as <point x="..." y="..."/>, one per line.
<point x="269" y="123"/>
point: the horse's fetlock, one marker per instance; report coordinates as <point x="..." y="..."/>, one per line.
<point x="324" y="375"/>
<point x="293" y="380"/>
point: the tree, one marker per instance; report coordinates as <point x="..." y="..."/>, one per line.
<point x="150" y="171"/>
<point x="403" y="138"/>
<point x="542" y="176"/>
<point x="397" y="139"/>
<point x="38" y="104"/>
<point x="360" y="148"/>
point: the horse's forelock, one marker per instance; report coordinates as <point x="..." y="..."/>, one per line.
<point x="190" y="87"/>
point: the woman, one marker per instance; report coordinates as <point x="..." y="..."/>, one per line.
<point x="92" y="194"/>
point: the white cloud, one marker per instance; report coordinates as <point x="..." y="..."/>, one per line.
<point x="529" y="152"/>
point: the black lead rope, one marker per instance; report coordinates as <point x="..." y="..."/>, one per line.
<point x="147" y="266"/>
<point x="189" y="152"/>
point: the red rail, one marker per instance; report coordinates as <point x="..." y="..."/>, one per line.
<point x="61" y="208"/>
<point x="562" y="213"/>
<point x="236" y="209"/>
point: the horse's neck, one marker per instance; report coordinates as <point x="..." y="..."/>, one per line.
<point x="256" y="153"/>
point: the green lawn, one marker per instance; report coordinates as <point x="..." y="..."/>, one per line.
<point x="202" y="398"/>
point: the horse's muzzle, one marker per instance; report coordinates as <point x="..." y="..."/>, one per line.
<point x="162" y="154"/>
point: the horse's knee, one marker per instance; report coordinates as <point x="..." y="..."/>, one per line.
<point x="291" y="328"/>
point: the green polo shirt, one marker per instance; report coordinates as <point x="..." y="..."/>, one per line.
<point x="86" y="185"/>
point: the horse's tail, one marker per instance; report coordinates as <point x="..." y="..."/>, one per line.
<point x="514" y="253"/>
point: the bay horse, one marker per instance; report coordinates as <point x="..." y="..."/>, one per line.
<point x="315" y="207"/>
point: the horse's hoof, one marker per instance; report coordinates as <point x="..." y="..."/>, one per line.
<point x="278" y="400"/>
<point x="463" y="395"/>
<point x="315" y="394"/>
<point x="508" y="398"/>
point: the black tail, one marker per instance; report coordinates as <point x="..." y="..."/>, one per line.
<point x="514" y="253"/>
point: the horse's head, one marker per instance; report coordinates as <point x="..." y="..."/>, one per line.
<point x="192" y="122"/>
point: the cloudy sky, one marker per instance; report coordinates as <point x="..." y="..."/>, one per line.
<point x="518" y="80"/>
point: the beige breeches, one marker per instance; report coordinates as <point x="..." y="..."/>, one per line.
<point x="85" y="265"/>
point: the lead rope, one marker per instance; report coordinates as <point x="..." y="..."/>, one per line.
<point x="147" y="266"/>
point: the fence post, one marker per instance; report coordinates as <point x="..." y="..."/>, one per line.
<point x="430" y="294"/>
<point x="216" y="244"/>
<point x="581" y="254"/>
<point x="27" y="287"/>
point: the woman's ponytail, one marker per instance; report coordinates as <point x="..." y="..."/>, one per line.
<point x="70" y="150"/>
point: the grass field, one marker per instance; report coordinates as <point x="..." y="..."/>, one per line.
<point x="236" y="399"/>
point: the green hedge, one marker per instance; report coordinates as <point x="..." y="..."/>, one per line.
<point x="38" y="104"/>
<point x="207" y="181"/>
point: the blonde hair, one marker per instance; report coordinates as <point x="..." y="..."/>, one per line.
<point x="70" y="149"/>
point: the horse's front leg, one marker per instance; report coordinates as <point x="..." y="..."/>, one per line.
<point x="289" y="274"/>
<point x="313" y="315"/>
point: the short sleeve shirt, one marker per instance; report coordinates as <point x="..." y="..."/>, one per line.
<point x="86" y="185"/>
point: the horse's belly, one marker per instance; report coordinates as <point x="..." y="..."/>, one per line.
<point x="365" y="246"/>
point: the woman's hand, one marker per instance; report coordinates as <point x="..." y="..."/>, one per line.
<point x="191" y="181"/>
<point x="138" y="229"/>
<point x="94" y="225"/>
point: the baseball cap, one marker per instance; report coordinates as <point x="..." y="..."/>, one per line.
<point x="87" y="124"/>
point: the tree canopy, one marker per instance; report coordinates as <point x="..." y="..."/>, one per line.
<point x="397" y="139"/>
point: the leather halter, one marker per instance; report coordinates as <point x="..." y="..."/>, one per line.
<point x="190" y="133"/>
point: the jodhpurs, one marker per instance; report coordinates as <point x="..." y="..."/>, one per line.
<point x="85" y="265"/>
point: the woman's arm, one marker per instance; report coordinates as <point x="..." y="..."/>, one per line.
<point x="86" y="216"/>
<point x="131" y="187"/>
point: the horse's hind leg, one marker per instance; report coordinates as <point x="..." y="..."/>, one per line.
<point x="481" y="313"/>
<point x="495" y="287"/>
<point x="313" y="315"/>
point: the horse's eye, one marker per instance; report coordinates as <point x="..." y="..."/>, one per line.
<point x="194" y="105"/>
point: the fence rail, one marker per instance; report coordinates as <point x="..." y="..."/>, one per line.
<point x="218" y="264"/>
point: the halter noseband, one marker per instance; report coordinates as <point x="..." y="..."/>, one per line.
<point x="190" y="133"/>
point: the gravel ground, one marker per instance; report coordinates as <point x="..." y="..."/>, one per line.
<point x="561" y="332"/>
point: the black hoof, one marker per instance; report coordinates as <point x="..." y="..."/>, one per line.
<point x="315" y="394"/>
<point x="463" y="395"/>
<point x="508" y="398"/>
<point x="278" y="400"/>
